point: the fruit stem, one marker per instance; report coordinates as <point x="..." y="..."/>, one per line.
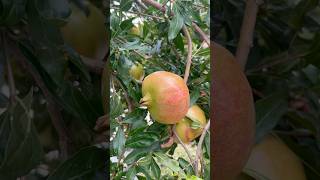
<point x="146" y="100"/>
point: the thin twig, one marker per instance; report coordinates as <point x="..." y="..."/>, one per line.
<point x="246" y="33"/>
<point x="203" y="35"/>
<point x="189" y="56"/>
<point x="126" y="96"/>
<point x="183" y="145"/>
<point x="199" y="148"/>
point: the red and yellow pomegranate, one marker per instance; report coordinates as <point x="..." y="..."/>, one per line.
<point x="233" y="115"/>
<point x="166" y="95"/>
<point x="184" y="128"/>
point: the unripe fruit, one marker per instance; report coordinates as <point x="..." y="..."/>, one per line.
<point x="184" y="128"/>
<point x="166" y="95"/>
<point x="135" y="30"/>
<point x="271" y="158"/>
<point x="233" y="115"/>
<point x="87" y="35"/>
<point x="137" y="72"/>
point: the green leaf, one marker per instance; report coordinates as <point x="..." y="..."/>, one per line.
<point x="155" y="170"/>
<point x="141" y="140"/>
<point x="48" y="40"/>
<point x="185" y="165"/>
<point x="207" y="144"/>
<point x="135" y="155"/>
<point x="193" y="177"/>
<point x="170" y="163"/>
<point x="119" y="141"/>
<point x="125" y="5"/>
<point x="85" y="162"/>
<point x="3" y="100"/>
<point x="144" y="171"/>
<point x="11" y="12"/>
<point x="269" y="111"/>
<point x="176" y="23"/>
<point x="20" y="140"/>
<point x="131" y="173"/>
<point x="178" y="41"/>
<point x="116" y="106"/>
<point x="194" y="96"/>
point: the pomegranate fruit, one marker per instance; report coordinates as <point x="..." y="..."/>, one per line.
<point x="166" y="95"/>
<point x="271" y="158"/>
<point x="184" y="128"/>
<point x="136" y="72"/>
<point x="86" y="34"/>
<point x="233" y="115"/>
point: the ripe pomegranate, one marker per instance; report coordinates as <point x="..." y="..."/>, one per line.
<point x="271" y="158"/>
<point x="184" y="128"/>
<point x="136" y="72"/>
<point x="166" y="95"/>
<point x="233" y="115"/>
<point x="86" y="34"/>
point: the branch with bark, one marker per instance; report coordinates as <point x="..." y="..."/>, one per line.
<point x="247" y="31"/>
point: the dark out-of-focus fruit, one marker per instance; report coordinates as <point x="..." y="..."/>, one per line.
<point x="233" y="115"/>
<point x="86" y="34"/>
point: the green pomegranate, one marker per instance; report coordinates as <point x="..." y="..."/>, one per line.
<point x="166" y="95"/>
<point x="184" y="128"/>
<point x="136" y="72"/>
<point x="86" y="34"/>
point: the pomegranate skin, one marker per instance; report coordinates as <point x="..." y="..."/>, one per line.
<point x="184" y="129"/>
<point x="233" y="115"/>
<point x="166" y="95"/>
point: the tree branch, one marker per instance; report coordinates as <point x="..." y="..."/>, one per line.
<point x="183" y="145"/>
<point x="199" y="148"/>
<point x="247" y="30"/>
<point x="189" y="56"/>
<point x="203" y="36"/>
<point x="54" y="112"/>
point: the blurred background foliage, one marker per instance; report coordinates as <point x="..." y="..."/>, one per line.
<point x="143" y="35"/>
<point x="283" y="70"/>
<point x="47" y="130"/>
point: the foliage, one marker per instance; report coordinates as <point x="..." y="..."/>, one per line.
<point x="283" y="70"/>
<point x="52" y="85"/>
<point x="158" y="44"/>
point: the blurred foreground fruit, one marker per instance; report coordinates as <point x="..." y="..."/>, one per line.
<point x="273" y="159"/>
<point x="166" y="95"/>
<point x="137" y="72"/>
<point x="185" y="129"/>
<point x="233" y="115"/>
<point x="86" y="34"/>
